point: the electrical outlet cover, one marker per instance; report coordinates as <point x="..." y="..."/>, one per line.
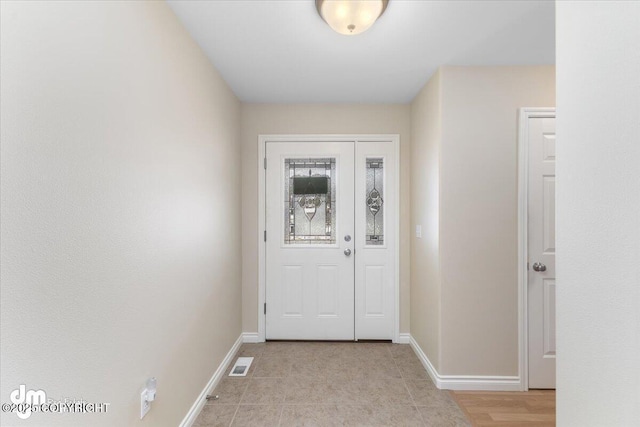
<point x="145" y="405"/>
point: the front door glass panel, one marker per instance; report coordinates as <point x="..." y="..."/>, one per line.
<point x="310" y="201"/>
<point x="375" y="201"/>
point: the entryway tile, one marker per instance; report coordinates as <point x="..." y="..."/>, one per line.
<point x="443" y="417"/>
<point x="264" y="391"/>
<point x="411" y="369"/>
<point x="272" y="367"/>
<point x="257" y="416"/>
<point x="216" y="416"/>
<point x="229" y="390"/>
<point x="331" y="384"/>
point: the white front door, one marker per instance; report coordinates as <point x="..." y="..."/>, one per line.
<point x="310" y="267"/>
<point x="541" y="238"/>
<point x="330" y="240"/>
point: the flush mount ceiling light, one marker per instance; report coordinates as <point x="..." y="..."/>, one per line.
<point x="351" y="17"/>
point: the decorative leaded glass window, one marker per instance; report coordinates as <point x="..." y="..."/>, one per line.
<point x="310" y="198"/>
<point x="375" y="202"/>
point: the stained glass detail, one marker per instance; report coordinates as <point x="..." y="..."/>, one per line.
<point x="309" y="203"/>
<point x="375" y="201"/>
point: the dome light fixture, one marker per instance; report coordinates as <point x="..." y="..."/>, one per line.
<point x="351" y="17"/>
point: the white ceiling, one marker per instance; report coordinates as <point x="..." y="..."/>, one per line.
<point x="283" y="52"/>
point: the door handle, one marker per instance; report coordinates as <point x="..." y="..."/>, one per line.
<point x="347" y="252"/>
<point x="539" y="267"/>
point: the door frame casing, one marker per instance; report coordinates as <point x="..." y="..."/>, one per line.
<point x="524" y="114"/>
<point x="355" y="138"/>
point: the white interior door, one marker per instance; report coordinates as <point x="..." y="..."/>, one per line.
<point x="541" y="239"/>
<point x="309" y="196"/>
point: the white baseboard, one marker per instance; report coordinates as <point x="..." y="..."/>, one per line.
<point x="193" y="413"/>
<point x="466" y="382"/>
<point x="403" y="338"/>
<point x="250" y="337"/>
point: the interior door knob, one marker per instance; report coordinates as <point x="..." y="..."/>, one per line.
<point x="347" y="252"/>
<point x="539" y="267"/>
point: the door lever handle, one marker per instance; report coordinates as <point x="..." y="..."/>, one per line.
<point x="347" y="252"/>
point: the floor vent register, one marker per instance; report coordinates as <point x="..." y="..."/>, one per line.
<point x="241" y="367"/>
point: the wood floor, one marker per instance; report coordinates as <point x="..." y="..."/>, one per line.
<point x="531" y="408"/>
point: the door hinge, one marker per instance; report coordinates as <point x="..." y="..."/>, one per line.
<point x="265" y="235"/>
<point x="265" y="308"/>
<point x="265" y="162"/>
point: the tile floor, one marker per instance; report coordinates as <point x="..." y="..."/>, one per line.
<point x="331" y="384"/>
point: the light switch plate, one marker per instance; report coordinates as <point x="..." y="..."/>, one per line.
<point x="419" y="231"/>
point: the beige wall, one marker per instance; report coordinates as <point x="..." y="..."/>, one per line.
<point x="315" y="119"/>
<point x="478" y="214"/>
<point x="426" y="134"/>
<point x="120" y="209"/>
